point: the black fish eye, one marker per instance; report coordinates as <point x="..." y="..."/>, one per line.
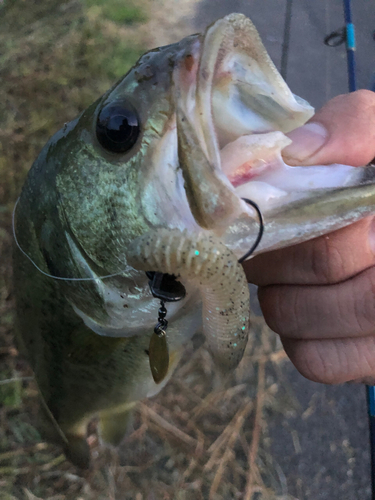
<point x="117" y="127"/>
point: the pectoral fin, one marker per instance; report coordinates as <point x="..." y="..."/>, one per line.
<point x="113" y="424"/>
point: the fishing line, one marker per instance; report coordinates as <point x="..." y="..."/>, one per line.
<point x="347" y="34"/>
<point x="106" y="276"/>
<point x="51" y="275"/>
<point x="286" y="39"/>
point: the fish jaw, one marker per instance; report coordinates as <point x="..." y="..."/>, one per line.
<point x="233" y="110"/>
<point x="226" y="86"/>
<point x="297" y="203"/>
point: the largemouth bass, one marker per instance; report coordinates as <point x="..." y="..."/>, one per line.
<point x="150" y="178"/>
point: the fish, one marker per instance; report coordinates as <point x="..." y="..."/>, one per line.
<point x="149" y="186"/>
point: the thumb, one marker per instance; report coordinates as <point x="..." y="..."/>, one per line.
<point x="343" y="131"/>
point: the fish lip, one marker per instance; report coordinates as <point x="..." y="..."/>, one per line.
<point x="193" y="82"/>
<point x="234" y="37"/>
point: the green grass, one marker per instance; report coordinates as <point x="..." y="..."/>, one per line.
<point x="56" y="58"/>
<point x="11" y="393"/>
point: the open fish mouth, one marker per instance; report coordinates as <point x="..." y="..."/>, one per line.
<point x="233" y="110"/>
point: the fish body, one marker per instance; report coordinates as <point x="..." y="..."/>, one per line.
<point x="158" y="166"/>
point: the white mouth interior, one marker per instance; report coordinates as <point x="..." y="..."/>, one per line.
<point x="254" y="166"/>
<point x="251" y="114"/>
<point x="240" y="110"/>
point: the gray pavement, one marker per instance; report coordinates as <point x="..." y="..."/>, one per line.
<point x="315" y="72"/>
<point x="318" y="436"/>
<point x="322" y="449"/>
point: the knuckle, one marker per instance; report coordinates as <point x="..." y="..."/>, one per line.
<point x="270" y="305"/>
<point x="351" y="119"/>
<point x="326" y="260"/>
<point x="365" y="306"/>
<point x="281" y="309"/>
<point x="315" y="363"/>
<point x="360" y="101"/>
<point x="333" y="361"/>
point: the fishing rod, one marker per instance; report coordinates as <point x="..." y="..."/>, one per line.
<point x="350" y="46"/>
<point x="351" y="64"/>
<point x="347" y="35"/>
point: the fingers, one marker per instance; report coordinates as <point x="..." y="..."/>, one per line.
<point x="311" y="312"/>
<point x="334" y="361"/>
<point x="329" y="259"/>
<point x="320" y="295"/>
<point x="343" y="131"/>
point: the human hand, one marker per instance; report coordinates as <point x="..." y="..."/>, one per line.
<point x="320" y="295"/>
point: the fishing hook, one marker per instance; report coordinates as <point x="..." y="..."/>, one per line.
<point x="260" y="233"/>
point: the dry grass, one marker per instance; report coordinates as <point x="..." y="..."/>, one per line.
<point x="192" y="441"/>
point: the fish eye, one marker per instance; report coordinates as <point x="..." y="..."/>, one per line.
<point x="117" y="127"/>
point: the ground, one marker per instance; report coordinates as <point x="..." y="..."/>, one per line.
<point x="271" y="434"/>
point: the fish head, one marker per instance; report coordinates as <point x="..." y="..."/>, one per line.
<point x="152" y="151"/>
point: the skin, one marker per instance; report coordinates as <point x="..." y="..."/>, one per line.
<point x="319" y="296"/>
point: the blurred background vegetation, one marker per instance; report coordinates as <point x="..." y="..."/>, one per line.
<point x="55" y="59"/>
